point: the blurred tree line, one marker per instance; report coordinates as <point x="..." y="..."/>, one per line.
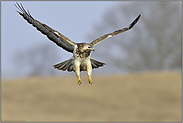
<point x="37" y="60"/>
<point x="154" y="43"/>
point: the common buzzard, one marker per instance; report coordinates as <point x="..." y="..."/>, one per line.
<point x="81" y="60"/>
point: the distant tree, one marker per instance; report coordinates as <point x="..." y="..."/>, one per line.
<point x="153" y="44"/>
<point x="37" y="60"/>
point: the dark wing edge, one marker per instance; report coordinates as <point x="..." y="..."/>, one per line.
<point x="98" y="40"/>
<point x="52" y="34"/>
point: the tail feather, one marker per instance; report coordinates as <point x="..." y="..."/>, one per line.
<point x="60" y="64"/>
<point x="70" y="68"/>
<point x="65" y="65"/>
<point x="96" y="64"/>
<point x="68" y="65"/>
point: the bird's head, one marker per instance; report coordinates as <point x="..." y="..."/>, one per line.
<point x="88" y="47"/>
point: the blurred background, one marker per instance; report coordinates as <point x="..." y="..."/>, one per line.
<point x="141" y="80"/>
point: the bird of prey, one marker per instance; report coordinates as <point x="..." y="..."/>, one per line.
<point x="81" y="60"/>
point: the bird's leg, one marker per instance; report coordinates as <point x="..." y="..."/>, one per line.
<point x="89" y="71"/>
<point x="77" y="72"/>
<point x="79" y="79"/>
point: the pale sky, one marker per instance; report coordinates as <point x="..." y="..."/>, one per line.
<point x="72" y="19"/>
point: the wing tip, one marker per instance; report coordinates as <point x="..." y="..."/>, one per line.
<point x="135" y="21"/>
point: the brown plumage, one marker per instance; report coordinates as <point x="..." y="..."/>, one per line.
<point x="81" y="52"/>
<point x="98" y="40"/>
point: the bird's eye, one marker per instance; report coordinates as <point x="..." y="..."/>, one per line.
<point x="89" y="47"/>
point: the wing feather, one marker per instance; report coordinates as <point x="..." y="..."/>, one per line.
<point x="98" y="40"/>
<point x="52" y="34"/>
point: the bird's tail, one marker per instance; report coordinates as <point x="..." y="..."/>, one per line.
<point x="69" y="65"/>
<point x="66" y="65"/>
<point x="96" y="64"/>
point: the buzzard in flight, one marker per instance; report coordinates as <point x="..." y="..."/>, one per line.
<point x="81" y="60"/>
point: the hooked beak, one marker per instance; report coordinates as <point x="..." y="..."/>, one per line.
<point x="93" y="49"/>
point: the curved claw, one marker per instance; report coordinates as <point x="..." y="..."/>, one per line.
<point x="90" y="81"/>
<point x="79" y="81"/>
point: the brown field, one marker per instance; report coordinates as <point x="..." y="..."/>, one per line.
<point x="153" y="96"/>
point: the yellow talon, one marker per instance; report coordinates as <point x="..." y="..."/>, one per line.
<point x="90" y="81"/>
<point x="79" y="81"/>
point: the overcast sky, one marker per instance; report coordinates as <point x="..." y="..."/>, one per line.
<point x="72" y="19"/>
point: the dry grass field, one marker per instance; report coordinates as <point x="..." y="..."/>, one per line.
<point x="153" y="96"/>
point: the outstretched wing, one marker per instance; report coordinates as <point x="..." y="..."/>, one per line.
<point x="52" y="34"/>
<point x="98" y="40"/>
